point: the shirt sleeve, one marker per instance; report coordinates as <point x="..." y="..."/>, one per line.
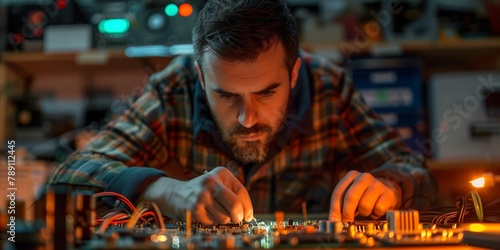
<point x="367" y="144"/>
<point x="129" y="153"/>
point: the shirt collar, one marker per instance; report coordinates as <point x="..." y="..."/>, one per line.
<point x="298" y="117"/>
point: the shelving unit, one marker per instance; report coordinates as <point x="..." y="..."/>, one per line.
<point x="418" y="46"/>
<point x="18" y="69"/>
<point x="438" y="56"/>
<point x="33" y="63"/>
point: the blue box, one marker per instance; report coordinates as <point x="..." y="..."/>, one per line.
<point x="392" y="87"/>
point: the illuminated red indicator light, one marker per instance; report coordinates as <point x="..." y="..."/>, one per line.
<point x="185" y="10"/>
<point x="18" y="38"/>
<point x="62" y="4"/>
<point x="37" y="18"/>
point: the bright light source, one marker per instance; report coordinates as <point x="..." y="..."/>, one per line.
<point x="478" y="183"/>
<point x="154" y="238"/>
<point x="185" y="9"/>
<point x="114" y="26"/>
<point x="162" y="238"/>
<point x="488" y="180"/>
<point x="171" y="10"/>
<point x="476" y="227"/>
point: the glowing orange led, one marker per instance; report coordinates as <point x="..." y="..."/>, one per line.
<point x="478" y="183"/>
<point x="487" y="180"/>
<point x="185" y="10"/>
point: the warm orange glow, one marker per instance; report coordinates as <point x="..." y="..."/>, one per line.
<point x="478" y="183"/>
<point x="185" y="9"/>
<point x="162" y="238"/>
<point x="158" y="238"/>
<point x="154" y="238"/>
<point x="476" y="227"/>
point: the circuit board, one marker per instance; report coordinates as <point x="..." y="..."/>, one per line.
<point x="69" y="221"/>
<point x="268" y="234"/>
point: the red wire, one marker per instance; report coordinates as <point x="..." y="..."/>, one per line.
<point x="119" y="196"/>
<point x="129" y="204"/>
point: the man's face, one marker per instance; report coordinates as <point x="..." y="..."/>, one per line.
<point x="248" y="100"/>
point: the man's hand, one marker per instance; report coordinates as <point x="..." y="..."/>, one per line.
<point x="363" y="194"/>
<point x="216" y="197"/>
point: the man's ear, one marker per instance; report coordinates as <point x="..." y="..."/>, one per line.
<point x="295" y="71"/>
<point x="200" y="75"/>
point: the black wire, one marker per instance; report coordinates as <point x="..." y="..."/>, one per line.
<point x="493" y="203"/>
<point x="462" y="212"/>
<point x="461" y="204"/>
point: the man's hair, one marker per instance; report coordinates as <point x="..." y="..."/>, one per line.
<point x="240" y="30"/>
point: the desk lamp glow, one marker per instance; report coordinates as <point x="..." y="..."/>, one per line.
<point x="488" y="180"/>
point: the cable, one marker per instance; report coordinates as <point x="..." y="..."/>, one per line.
<point x="468" y="209"/>
<point x="141" y="209"/>
<point x="117" y="195"/>
<point x="476" y="200"/>
<point x="108" y="221"/>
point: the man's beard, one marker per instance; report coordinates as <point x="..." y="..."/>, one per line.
<point x="248" y="151"/>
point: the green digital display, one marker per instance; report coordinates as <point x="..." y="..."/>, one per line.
<point x="114" y="26"/>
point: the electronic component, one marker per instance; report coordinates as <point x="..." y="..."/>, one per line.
<point x="72" y="216"/>
<point x="143" y="23"/>
<point x="403" y="221"/>
<point x="26" y="23"/>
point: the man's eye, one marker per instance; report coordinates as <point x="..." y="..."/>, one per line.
<point x="226" y="97"/>
<point x="268" y="93"/>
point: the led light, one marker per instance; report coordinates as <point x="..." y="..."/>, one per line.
<point x="171" y="10"/>
<point x="476" y="227"/>
<point x="114" y="26"/>
<point x="146" y="51"/>
<point x="487" y="180"/>
<point x="478" y="183"/>
<point x="154" y="238"/>
<point x="162" y="238"/>
<point x="62" y="4"/>
<point x="156" y="21"/>
<point x="185" y="9"/>
<point x="37" y="18"/>
<point x="181" y="49"/>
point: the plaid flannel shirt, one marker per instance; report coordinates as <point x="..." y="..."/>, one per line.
<point x="168" y="131"/>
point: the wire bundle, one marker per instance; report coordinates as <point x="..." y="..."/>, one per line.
<point x="467" y="209"/>
<point x="145" y="211"/>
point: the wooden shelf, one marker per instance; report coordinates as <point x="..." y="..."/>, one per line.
<point x="405" y="46"/>
<point x="438" y="56"/>
<point x="412" y="46"/>
<point x="32" y="63"/>
<point x="26" y="57"/>
<point x="473" y="53"/>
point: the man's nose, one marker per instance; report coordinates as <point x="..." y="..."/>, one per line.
<point x="248" y="116"/>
